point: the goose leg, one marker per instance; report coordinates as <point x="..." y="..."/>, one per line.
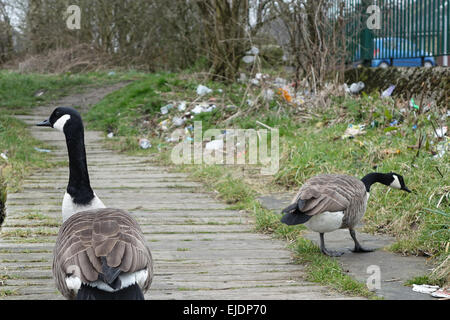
<point x="324" y="250"/>
<point x="358" y="247"/>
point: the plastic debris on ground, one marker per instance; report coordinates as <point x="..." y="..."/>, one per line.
<point x="166" y="108"/>
<point x="440" y="132"/>
<point x="39" y="93"/>
<point x="111" y="73"/>
<point x="355" y="88"/>
<point x="285" y="94"/>
<point x="248" y="59"/>
<point x="202" y="90"/>
<point x="441" y="293"/>
<point x="42" y="150"/>
<point x="268" y="94"/>
<point x="178" y="122"/>
<point x="424" y="288"/>
<point x="442" y="148"/>
<point x="388" y="92"/>
<point x="200" y="108"/>
<point x="110" y="135"/>
<point x="164" y="125"/>
<point x="144" y="143"/>
<point x="412" y="104"/>
<point x="353" y="130"/>
<point x="4" y="156"/>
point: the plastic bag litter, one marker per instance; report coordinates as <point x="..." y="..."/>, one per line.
<point x="203" y="108"/>
<point x="144" y="143"/>
<point x="268" y="94"/>
<point x="178" y="122"/>
<point x="42" y="150"/>
<point x="424" y="288"/>
<point x="255" y="82"/>
<point x="442" y="148"/>
<point x="166" y="108"/>
<point x="164" y="125"/>
<point x="182" y="106"/>
<point x="356" y="87"/>
<point x="387" y="93"/>
<point x="214" y="145"/>
<point x="254" y="51"/>
<point x="110" y="135"/>
<point x="354" y="130"/>
<point x="4" y="156"/>
<point x="441" y="293"/>
<point x="202" y="90"/>
<point x="248" y="59"/>
<point x="412" y="104"/>
<point x="440" y="132"/>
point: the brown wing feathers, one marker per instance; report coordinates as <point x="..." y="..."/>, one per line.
<point x="99" y="244"/>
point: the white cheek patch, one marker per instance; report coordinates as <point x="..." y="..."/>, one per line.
<point x="61" y="122"/>
<point x="396" y="183"/>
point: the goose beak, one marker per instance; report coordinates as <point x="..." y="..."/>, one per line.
<point x="44" y="123"/>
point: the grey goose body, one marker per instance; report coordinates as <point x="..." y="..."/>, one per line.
<point x="100" y="252"/>
<point x="328" y="202"/>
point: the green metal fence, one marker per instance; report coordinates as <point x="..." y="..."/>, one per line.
<point x="405" y="29"/>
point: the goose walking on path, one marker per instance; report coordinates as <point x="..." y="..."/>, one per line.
<point x="100" y="252"/>
<point x="328" y="202"/>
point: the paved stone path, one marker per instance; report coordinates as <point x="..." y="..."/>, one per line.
<point x="202" y="250"/>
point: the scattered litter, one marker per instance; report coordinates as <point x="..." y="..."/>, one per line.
<point x="39" y="93"/>
<point x="280" y="82"/>
<point x="355" y="88"/>
<point x="412" y="104"/>
<point x="259" y="76"/>
<point x="111" y="73"/>
<point x="200" y="108"/>
<point x="178" y="122"/>
<point x="242" y="77"/>
<point x="248" y="59"/>
<point x="440" y="132"/>
<point x="164" y="125"/>
<point x="402" y="110"/>
<point x="220" y="90"/>
<point x="144" y="143"/>
<point x="388" y="92"/>
<point x="442" y="148"/>
<point x="202" y="90"/>
<point x="390" y="151"/>
<point x="353" y="130"/>
<point x="441" y="293"/>
<point x="250" y="102"/>
<point x="393" y="123"/>
<point x="110" y="135"/>
<point x="182" y="106"/>
<point x="268" y="94"/>
<point x="285" y="94"/>
<point x="4" y="156"/>
<point x="42" y="150"/>
<point x="255" y="82"/>
<point x="214" y="145"/>
<point x="414" y="127"/>
<point x="424" y="288"/>
<point x="254" y="51"/>
<point x="166" y="108"/>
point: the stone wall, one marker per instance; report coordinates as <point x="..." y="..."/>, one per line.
<point x="431" y="83"/>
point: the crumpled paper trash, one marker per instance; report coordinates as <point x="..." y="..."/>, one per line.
<point x="424" y="288"/>
<point x="353" y="130"/>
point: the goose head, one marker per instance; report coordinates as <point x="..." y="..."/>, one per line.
<point x="396" y="181"/>
<point x="64" y="119"/>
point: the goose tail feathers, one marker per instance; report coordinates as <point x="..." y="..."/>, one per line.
<point x="132" y="292"/>
<point x="293" y="215"/>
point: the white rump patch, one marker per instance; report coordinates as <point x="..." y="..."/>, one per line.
<point x="69" y="208"/>
<point x="61" y="122"/>
<point x="73" y="283"/>
<point x="396" y="183"/>
<point x="325" y="221"/>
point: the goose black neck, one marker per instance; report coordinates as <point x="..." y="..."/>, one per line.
<point x="374" y="177"/>
<point x="79" y="186"/>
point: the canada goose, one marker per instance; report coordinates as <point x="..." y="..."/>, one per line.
<point x="100" y="252"/>
<point x="328" y="202"/>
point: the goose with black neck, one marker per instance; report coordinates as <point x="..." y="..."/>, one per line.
<point x="328" y="202"/>
<point x="100" y="252"/>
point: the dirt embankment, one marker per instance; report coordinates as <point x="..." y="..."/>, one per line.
<point x="429" y="84"/>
